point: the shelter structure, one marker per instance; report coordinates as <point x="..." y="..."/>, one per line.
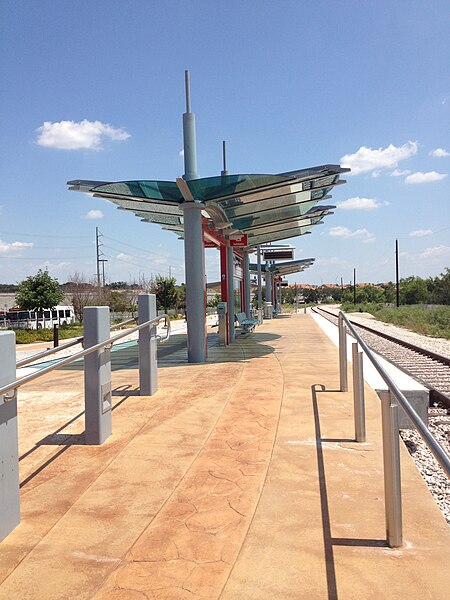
<point x="235" y="213"/>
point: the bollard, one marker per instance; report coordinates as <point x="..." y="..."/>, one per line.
<point x="97" y="376"/>
<point x="358" y="394"/>
<point x="148" y="368"/>
<point x="9" y="447"/>
<point x="391" y="463"/>
<point x="343" y="355"/>
<point x="55" y="335"/>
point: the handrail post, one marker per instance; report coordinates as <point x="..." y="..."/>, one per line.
<point x="391" y="462"/>
<point x="358" y="394"/>
<point x="97" y="376"/>
<point x="343" y="355"/>
<point x="9" y="446"/>
<point x="148" y="369"/>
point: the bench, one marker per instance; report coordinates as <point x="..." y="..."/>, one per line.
<point x="247" y="325"/>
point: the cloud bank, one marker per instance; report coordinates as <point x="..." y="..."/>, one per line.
<point x="346" y="233"/>
<point x="358" y="203"/>
<point x="367" y="159"/>
<point x="69" y="135"/>
<point x="428" y="177"/>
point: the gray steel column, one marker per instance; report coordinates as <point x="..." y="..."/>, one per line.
<point x="247" y="284"/>
<point x="343" y="355"/>
<point x="230" y="282"/>
<point x="148" y="368"/>
<point x="9" y="446"/>
<point x="391" y="462"/>
<point x="194" y="256"/>
<point x="194" y="261"/>
<point x="189" y="141"/>
<point x="359" y="412"/>
<point x="268" y="314"/>
<point x="258" y="258"/>
<point x="97" y="376"/>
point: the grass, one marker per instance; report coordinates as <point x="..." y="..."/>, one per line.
<point x="28" y="336"/>
<point x="433" y="321"/>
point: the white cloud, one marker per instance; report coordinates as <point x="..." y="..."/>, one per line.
<point x="399" y="173"/>
<point x="125" y="257"/>
<point x="13" y="249"/>
<point x="334" y="260"/>
<point x="439" y="153"/>
<point x="420" y="232"/>
<point x="367" y="159"/>
<point x="428" y="177"/>
<point x="68" y="135"/>
<point x="181" y="152"/>
<point x="94" y="214"/>
<point x="346" y="233"/>
<point x="358" y="203"/>
<point x="436" y="251"/>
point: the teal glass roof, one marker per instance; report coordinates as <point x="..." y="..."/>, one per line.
<point x="265" y="207"/>
<point x="284" y="268"/>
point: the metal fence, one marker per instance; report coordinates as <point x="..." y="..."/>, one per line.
<point x="391" y="399"/>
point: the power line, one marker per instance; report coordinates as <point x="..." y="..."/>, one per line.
<point x="43" y="235"/>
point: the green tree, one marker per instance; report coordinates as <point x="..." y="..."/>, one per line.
<point x="39" y="292"/>
<point x="166" y="292"/>
<point x="413" y="290"/>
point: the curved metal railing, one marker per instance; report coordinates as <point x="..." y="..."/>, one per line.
<point x="34" y="357"/>
<point x="13" y="386"/>
<point x="422" y="429"/>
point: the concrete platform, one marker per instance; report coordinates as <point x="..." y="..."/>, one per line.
<point x="239" y="479"/>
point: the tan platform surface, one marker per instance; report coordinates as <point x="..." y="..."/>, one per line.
<point x="235" y="481"/>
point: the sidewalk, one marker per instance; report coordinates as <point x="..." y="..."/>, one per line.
<point x="236" y="480"/>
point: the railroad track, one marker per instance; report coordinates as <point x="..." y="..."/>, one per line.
<point x="431" y="369"/>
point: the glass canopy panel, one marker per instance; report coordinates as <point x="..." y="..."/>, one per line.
<point x="211" y="188"/>
<point x="272" y="216"/>
<point x="152" y="207"/>
<point x="270" y="204"/>
<point x="161" y="219"/>
<point x="279" y="227"/>
<point x="153" y="190"/>
<point x="254" y="240"/>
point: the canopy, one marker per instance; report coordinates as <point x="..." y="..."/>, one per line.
<point x="265" y="207"/>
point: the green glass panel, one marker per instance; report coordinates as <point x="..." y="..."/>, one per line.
<point x="154" y="190"/>
<point x="210" y="188"/>
<point x="142" y="205"/>
<point x="258" y="219"/>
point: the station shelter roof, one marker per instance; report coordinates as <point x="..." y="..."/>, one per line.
<point x="284" y="268"/>
<point x="265" y="207"/>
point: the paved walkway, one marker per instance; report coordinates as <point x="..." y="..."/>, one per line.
<point x="239" y="479"/>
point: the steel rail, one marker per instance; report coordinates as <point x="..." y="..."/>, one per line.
<point x="74" y="342"/>
<point x="68" y="359"/>
<point x="422" y="429"/>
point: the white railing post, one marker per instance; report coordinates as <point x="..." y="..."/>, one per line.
<point x="148" y="368"/>
<point x="358" y="394"/>
<point x="9" y="446"/>
<point x="391" y="462"/>
<point x="97" y="376"/>
<point x="343" y="355"/>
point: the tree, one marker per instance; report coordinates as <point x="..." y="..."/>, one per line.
<point x="83" y="293"/>
<point x="166" y="292"/>
<point x="413" y="290"/>
<point x="39" y="292"/>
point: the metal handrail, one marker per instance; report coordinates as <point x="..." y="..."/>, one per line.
<point x="65" y="361"/>
<point x="74" y="342"/>
<point x="422" y="429"/>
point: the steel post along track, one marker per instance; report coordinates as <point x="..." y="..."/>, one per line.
<point x="65" y="361"/>
<point x="420" y="426"/>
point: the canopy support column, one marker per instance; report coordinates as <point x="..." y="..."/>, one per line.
<point x="230" y="277"/>
<point x="247" y="284"/>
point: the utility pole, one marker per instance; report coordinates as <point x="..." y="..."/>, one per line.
<point x="97" y="246"/>
<point x="396" y="274"/>
<point x="354" y="286"/>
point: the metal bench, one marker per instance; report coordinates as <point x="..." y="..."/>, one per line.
<point x="247" y="325"/>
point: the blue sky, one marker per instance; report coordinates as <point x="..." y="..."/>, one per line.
<point x="95" y="90"/>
